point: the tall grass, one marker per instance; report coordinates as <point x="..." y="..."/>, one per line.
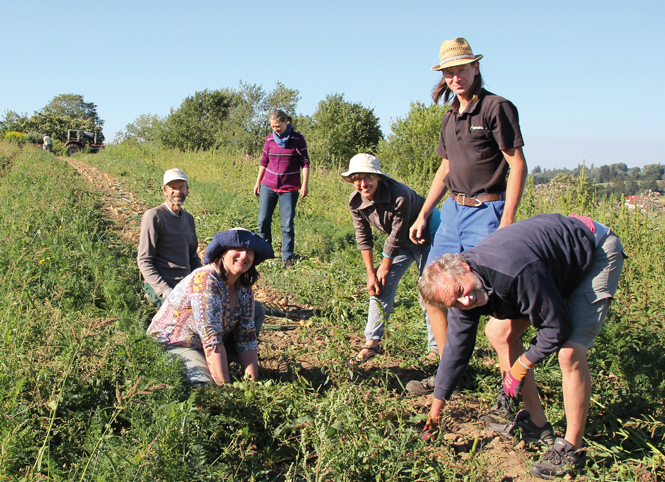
<point x="86" y="396"/>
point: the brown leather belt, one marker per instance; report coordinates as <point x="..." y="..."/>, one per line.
<point x="476" y="201"/>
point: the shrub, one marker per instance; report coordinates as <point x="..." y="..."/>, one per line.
<point x="338" y="130"/>
<point x="409" y="151"/>
<point x="15" y="136"/>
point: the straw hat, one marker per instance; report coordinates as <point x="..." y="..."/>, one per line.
<point x="363" y="163"/>
<point x="455" y="52"/>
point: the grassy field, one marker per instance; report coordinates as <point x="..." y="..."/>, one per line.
<point x="86" y="396"/>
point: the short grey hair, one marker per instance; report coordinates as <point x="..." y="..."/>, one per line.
<point x="446" y="269"/>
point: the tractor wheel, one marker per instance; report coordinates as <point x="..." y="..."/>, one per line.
<point x="71" y="150"/>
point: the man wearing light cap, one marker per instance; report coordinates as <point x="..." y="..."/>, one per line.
<point x="167" y="248"/>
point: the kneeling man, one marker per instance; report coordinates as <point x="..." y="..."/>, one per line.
<point x="554" y="272"/>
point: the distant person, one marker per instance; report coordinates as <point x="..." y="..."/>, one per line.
<point x="208" y="319"/>
<point x="391" y="207"/>
<point x="167" y="248"/>
<point x="48" y="143"/>
<point x="555" y="273"/>
<point x="480" y="144"/>
<point x="284" y="155"/>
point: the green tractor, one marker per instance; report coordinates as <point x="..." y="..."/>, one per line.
<point x="77" y="140"/>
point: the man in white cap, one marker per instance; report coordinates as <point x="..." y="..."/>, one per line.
<point x="167" y="248"/>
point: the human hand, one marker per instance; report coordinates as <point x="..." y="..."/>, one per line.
<point x="304" y="191"/>
<point x="257" y="189"/>
<point x="373" y="285"/>
<point x="514" y="380"/>
<point x="431" y="430"/>
<point x="416" y="231"/>
<point x="381" y="274"/>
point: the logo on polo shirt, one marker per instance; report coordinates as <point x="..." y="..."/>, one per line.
<point x="473" y="128"/>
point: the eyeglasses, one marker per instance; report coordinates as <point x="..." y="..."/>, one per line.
<point x="359" y="178"/>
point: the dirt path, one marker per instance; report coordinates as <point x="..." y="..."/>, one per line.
<point x="292" y="347"/>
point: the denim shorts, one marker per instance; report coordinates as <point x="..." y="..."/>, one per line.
<point x="588" y="304"/>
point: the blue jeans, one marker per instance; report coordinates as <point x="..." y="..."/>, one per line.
<point x="463" y="227"/>
<point x="287" y="209"/>
<point x="409" y="254"/>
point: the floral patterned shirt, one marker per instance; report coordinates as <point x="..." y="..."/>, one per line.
<point x="197" y="313"/>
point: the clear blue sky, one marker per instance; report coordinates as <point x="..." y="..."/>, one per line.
<point x="583" y="74"/>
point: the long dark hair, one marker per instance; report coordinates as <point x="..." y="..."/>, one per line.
<point x="247" y="279"/>
<point x="442" y="90"/>
<point x="281" y="116"/>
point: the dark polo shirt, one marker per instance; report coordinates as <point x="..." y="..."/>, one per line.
<point x="472" y="142"/>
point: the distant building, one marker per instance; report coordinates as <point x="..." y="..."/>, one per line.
<point x="647" y="201"/>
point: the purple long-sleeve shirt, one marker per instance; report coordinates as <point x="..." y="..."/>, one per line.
<point x="283" y="164"/>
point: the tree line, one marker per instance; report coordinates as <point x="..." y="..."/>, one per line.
<point x="617" y="179"/>
<point x="63" y="112"/>
<point x="237" y="120"/>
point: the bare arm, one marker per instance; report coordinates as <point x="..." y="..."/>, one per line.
<point x="436" y="193"/>
<point x="515" y="187"/>
<point x="304" y="190"/>
<point x="217" y="363"/>
<point x="249" y="361"/>
<point x="259" y="178"/>
<point x="373" y="285"/>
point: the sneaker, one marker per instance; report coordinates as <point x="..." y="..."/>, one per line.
<point x="502" y="411"/>
<point x="525" y="428"/>
<point x="421" y="387"/>
<point x="559" y="461"/>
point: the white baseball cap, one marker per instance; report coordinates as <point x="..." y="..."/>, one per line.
<point x="174" y="175"/>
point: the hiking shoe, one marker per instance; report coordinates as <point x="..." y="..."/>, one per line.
<point x="421" y="387"/>
<point x="559" y="461"/>
<point x="525" y="428"/>
<point x="501" y="411"/>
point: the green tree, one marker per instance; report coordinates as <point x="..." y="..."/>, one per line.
<point x="198" y="124"/>
<point x="410" y="149"/>
<point x="74" y="106"/>
<point x="652" y="171"/>
<point x="144" y="129"/>
<point x="64" y="112"/>
<point x="604" y="174"/>
<point x="12" y="122"/>
<point x="649" y="184"/>
<point x="338" y="130"/>
<point x="249" y="118"/>
<point x="57" y="126"/>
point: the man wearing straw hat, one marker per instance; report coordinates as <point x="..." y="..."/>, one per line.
<point x="480" y="144"/>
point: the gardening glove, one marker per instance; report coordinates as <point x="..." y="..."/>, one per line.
<point x="514" y="380"/>
<point x="431" y="429"/>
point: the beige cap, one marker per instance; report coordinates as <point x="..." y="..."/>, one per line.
<point x="174" y="175"/>
<point x="363" y="163"/>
